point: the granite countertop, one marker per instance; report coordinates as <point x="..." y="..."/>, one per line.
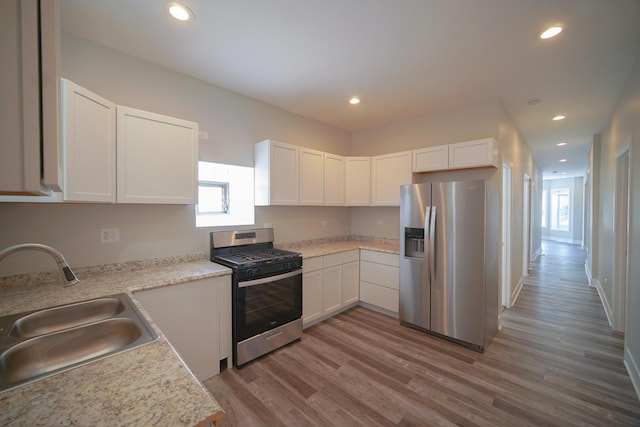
<point x="147" y="385"/>
<point x="315" y="248"/>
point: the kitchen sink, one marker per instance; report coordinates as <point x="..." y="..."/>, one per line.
<point x="65" y="317"/>
<point x="41" y="343"/>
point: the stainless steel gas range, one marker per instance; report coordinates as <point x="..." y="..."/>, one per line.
<point x="266" y="291"/>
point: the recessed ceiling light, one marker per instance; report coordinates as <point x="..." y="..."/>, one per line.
<point x="563" y="160"/>
<point x="180" y="11"/>
<point x="560" y="117"/>
<point x="561" y="144"/>
<point x="563" y="173"/>
<point x="354" y="100"/>
<point x="533" y="102"/>
<point x="551" y="32"/>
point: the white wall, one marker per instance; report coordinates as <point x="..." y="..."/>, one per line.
<point x="234" y="123"/>
<point x="473" y="121"/>
<point x="484" y="119"/>
<point x="515" y="151"/>
<point x="623" y="124"/>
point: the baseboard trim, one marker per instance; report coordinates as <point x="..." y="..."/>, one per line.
<point x="379" y="309"/>
<point x="516" y="292"/>
<point x="632" y="369"/>
<point x="605" y="302"/>
<point x="537" y="254"/>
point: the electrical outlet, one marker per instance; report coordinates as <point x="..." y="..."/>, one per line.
<point x="323" y="222"/>
<point x="109" y="235"/>
<point x="379" y="222"/>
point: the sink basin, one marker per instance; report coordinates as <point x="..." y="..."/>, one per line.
<point x="38" y="344"/>
<point x="65" y="317"/>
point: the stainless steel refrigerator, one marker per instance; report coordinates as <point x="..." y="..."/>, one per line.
<point x="449" y="260"/>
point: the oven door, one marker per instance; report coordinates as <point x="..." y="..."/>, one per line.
<point x="266" y="303"/>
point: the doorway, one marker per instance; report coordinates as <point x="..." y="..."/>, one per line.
<point x="621" y="234"/>
<point x="506" y="235"/>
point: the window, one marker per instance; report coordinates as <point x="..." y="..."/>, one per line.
<point x="225" y="195"/>
<point x="560" y="203"/>
<point x="213" y="197"/>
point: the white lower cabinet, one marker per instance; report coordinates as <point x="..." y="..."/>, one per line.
<point x="380" y="279"/>
<point x="350" y="282"/>
<point x="311" y="289"/>
<point x="329" y="284"/>
<point x="195" y="317"/>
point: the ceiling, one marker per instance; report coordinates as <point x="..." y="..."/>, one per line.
<point x="402" y="58"/>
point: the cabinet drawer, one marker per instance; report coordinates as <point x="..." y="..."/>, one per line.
<point x="380" y="258"/>
<point x="340" y="258"/>
<point x="383" y="275"/>
<point x="379" y="296"/>
<point x="312" y="264"/>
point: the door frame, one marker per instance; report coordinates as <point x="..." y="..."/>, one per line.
<point x="621" y="235"/>
<point x="526" y="225"/>
<point x="505" y="258"/>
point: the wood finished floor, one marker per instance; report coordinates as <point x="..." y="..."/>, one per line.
<point x="555" y="362"/>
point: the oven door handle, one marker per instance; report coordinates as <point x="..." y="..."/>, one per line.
<point x="254" y="282"/>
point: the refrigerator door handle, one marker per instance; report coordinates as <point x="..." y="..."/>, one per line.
<point x="432" y="243"/>
<point x="427" y="218"/>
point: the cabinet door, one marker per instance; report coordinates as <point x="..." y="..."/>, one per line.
<point x="157" y="158"/>
<point x="276" y="173"/>
<point x="358" y="181"/>
<point x="332" y="289"/>
<point x="311" y="296"/>
<point x="431" y="159"/>
<point x="476" y="153"/>
<point x="388" y="173"/>
<point x="89" y="145"/>
<point x="186" y="315"/>
<point x="334" y="184"/>
<point x="30" y="163"/>
<point x="311" y="177"/>
<point x="284" y="174"/>
<point x="350" y="282"/>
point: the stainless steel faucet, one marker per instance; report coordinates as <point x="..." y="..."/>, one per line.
<point x="69" y="275"/>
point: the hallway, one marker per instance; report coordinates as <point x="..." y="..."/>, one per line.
<point x="571" y="348"/>
<point x="555" y="362"/>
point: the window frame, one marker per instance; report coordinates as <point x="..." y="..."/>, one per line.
<point x="224" y="186"/>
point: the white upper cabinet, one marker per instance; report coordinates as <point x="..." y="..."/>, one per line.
<point x="358" y="181"/>
<point x="462" y="155"/>
<point x="388" y="173"/>
<point x="157" y="158"/>
<point x="476" y="153"/>
<point x="311" y="176"/>
<point x="89" y="145"/>
<point x="334" y="183"/>
<point x="277" y="179"/>
<point x="431" y="159"/>
<point x="30" y="160"/>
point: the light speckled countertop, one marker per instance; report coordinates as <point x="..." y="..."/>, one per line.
<point x="315" y="248"/>
<point x="147" y="385"/>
